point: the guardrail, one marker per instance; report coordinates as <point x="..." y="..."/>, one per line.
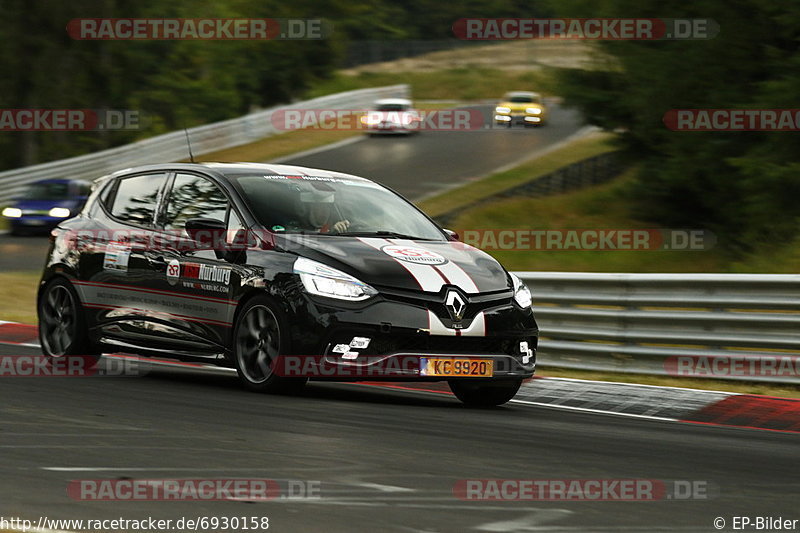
<point x="652" y="323"/>
<point x="172" y="147"/>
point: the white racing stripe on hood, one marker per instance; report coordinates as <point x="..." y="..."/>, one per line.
<point x="455" y="274"/>
<point x="427" y="277"/>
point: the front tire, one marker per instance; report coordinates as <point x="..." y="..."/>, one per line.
<point x="62" y="325"/>
<point x="259" y="338"/>
<point x="485" y="393"/>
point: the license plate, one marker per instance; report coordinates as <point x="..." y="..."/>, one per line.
<point x="455" y="367"/>
<point x="33" y="222"/>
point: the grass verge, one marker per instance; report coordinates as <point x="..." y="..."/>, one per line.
<point x="740" y="387"/>
<point x="18" y="296"/>
<point x="278" y="146"/>
<point x="601" y="207"/>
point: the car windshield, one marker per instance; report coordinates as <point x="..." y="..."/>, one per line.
<point x="323" y="205"/>
<point x="521" y="99"/>
<point x="392" y="107"/>
<point x="47" y="191"/>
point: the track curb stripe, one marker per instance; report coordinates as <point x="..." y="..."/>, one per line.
<point x="19" y="334"/>
<point x="751" y="411"/>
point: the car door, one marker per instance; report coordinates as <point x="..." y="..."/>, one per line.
<point x="114" y="271"/>
<point x="197" y="279"/>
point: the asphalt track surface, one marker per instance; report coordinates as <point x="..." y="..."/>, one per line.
<point x="422" y="164"/>
<point x="382" y="459"/>
<point x="415" y="166"/>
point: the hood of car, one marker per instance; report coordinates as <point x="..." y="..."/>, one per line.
<point x="405" y="264"/>
<point x="396" y="117"/>
<point x="518" y="107"/>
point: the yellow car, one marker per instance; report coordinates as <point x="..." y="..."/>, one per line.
<point x="520" y="107"/>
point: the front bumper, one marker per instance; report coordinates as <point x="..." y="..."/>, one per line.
<point x="34" y="223"/>
<point x="390" y="129"/>
<point x="399" y="333"/>
<point x="521" y="119"/>
<point x="402" y="366"/>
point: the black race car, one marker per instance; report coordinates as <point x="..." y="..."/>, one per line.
<point x="286" y="274"/>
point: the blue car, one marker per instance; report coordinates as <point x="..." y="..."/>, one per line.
<point x="45" y="204"/>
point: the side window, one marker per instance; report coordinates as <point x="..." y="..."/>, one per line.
<point x="235" y="225"/>
<point x="136" y="197"/>
<point x="193" y="196"/>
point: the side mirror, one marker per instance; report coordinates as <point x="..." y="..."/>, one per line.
<point x="452" y="235"/>
<point x="208" y="233"/>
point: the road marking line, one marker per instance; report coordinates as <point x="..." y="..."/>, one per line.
<point x="384" y="488"/>
<point x="596" y="411"/>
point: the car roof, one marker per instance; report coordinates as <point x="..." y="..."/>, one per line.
<point x="59" y="180"/>
<point x="393" y="101"/>
<point x="223" y="170"/>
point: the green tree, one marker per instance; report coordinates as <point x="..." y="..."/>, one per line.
<point x="739" y="185"/>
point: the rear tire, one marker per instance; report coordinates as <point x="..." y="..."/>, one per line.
<point x="62" y="325"/>
<point x="485" y="393"/>
<point x="260" y="336"/>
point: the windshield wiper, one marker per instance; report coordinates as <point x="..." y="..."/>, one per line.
<point x="383" y="233"/>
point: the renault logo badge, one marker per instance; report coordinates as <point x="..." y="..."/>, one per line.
<point x="455" y="305"/>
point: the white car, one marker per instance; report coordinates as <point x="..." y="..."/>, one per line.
<point x="392" y="115"/>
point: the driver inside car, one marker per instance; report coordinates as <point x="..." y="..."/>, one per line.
<point x="322" y="212"/>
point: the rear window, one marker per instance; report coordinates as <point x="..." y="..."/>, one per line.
<point x="135" y="198"/>
<point x="392" y="107"/>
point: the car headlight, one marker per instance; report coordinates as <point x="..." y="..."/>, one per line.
<point x="12" y="212"/>
<point x="322" y="280"/>
<point x="59" y="212"/>
<point x="522" y="294"/>
<point x="502" y="109"/>
<point x="534" y="111"/>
